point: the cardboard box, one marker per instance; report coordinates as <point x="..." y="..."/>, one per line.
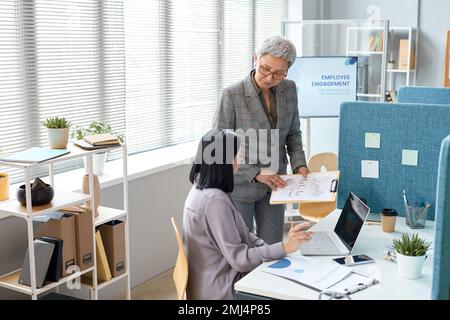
<point x="113" y="236"/>
<point x="84" y="240"/>
<point x="403" y="55"/>
<point x="59" y="226"/>
<point x="84" y="236"/>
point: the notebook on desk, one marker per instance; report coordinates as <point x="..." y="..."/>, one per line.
<point x="88" y="146"/>
<point x="34" y="155"/>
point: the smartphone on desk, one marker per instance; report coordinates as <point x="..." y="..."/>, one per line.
<point x="354" y="260"/>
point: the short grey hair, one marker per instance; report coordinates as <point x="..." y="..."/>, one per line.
<point x="278" y="47"/>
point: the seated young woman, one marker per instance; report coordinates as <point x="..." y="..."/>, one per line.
<point x="219" y="246"/>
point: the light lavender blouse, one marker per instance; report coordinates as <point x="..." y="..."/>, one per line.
<point x="219" y="247"/>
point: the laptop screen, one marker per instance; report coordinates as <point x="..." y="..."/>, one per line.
<point x="351" y="220"/>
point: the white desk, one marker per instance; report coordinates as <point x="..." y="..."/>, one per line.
<point x="371" y="242"/>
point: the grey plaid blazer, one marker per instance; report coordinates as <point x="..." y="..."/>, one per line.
<point x="241" y="108"/>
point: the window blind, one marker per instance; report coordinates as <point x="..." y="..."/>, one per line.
<point x="238" y="40"/>
<point x="14" y="135"/>
<point x="180" y="54"/>
<point x="66" y="59"/>
<point x="268" y="17"/>
<point x="152" y="68"/>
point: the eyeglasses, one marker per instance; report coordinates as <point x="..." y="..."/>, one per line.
<point x="277" y="75"/>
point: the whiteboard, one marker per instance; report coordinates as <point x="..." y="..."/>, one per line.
<point x="323" y="83"/>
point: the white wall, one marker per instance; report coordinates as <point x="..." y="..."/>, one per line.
<point x="152" y="199"/>
<point x="430" y="16"/>
<point x="434" y="23"/>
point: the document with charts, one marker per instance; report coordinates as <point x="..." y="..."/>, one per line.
<point x="313" y="273"/>
<point x="316" y="187"/>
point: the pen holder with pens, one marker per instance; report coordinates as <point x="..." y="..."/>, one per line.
<point x="416" y="216"/>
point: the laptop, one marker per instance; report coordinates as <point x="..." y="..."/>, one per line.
<point x="342" y="239"/>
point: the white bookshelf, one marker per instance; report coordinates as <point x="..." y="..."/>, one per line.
<point x="406" y="77"/>
<point x="358" y="44"/>
<point x="63" y="199"/>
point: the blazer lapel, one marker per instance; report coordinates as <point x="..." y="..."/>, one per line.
<point x="254" y="104"/>
<point x="282" y="107"/>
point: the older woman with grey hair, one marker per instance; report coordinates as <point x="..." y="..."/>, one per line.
<point x="264" y="101"/>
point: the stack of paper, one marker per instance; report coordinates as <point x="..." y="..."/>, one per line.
<point x="316" y="187"/>
<point x="310" y="272"/>
<point x="320" y="275"/>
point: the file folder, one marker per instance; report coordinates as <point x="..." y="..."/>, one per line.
<point x="42" y="255"/>
<point x="54" y="268"/>
<point x="103" y="271"/>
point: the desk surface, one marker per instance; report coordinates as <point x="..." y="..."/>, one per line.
<point x="371" y="242"/>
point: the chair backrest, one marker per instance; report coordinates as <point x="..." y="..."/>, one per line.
<point x="441" y="266"/>
<point x="325" y="159"/>
<point x="318" y="210"/>
<point x="181" y="270"/>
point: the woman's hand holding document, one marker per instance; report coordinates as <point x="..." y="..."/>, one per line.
<point x="316" y="187"/>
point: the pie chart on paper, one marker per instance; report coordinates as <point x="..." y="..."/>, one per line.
<point x="280" y="264"/>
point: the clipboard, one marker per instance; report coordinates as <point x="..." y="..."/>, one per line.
<point x="353" y="283"/>
<point x="318" y="187"/>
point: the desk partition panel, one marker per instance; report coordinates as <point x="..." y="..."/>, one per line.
<point x="424" y="95"/>
<point x="408" y="133"/>
<point x="441" y="245"/>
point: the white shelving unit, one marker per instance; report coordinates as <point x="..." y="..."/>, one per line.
<point x="354" y="47"/>
<point x="63" y="199"/>
<point x="410" y="34"/>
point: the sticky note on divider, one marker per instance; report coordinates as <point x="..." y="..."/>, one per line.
<point x="370" y="169"/>
<point x="410" y="157"/>
<point x="372" y="140"/>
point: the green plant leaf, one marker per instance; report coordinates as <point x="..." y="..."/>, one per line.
<point x="411" y="246"/>
<point x="95" y="127"/>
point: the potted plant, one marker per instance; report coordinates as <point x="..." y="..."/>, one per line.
<point x="96" y="127"/>
<point x="57" y="131"/>
<point x="410" y="253"/>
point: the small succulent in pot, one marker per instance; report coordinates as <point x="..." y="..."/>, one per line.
<point x="58" y="132"/>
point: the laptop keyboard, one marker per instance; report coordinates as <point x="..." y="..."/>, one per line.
<point x="320" y="243"/>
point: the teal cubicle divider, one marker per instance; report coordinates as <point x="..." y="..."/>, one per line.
<point x="424" y="95"/>
<point x="441" y="266"/>
<point x="401" y="126"/>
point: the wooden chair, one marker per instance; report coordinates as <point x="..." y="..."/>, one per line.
<point x="318" y="210"/>
<point x="181" y="270"/>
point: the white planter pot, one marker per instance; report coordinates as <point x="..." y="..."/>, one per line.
<point x="58" y="138"/>
<point x="98" y="163"/>
<point x="410" y="267"/>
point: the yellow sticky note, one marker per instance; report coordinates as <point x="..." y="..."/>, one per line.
<point x="372" y="140"/>
<point x="409" y="157"/>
